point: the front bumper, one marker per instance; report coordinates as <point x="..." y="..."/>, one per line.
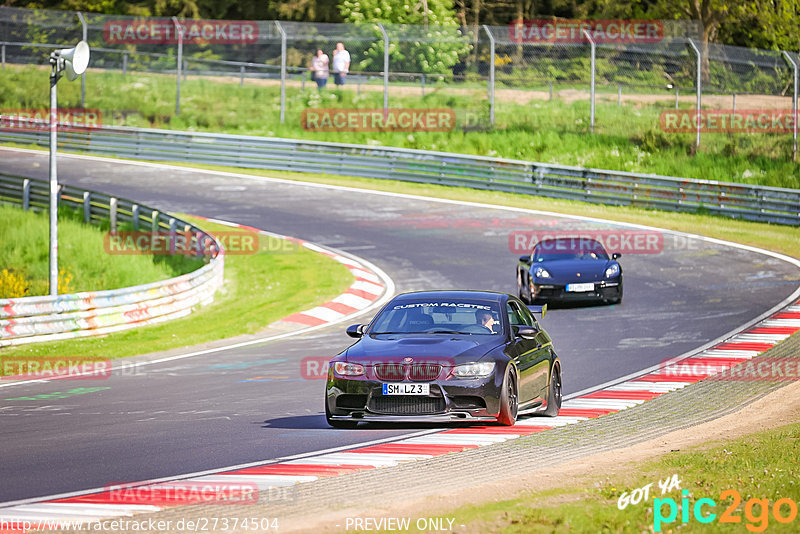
<point x="602" y="291"/>
<point x="361" y="399"/>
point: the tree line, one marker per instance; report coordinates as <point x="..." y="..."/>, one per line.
<point x="769" y="24"/>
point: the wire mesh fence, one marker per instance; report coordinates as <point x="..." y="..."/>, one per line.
<point x="587" y="70"/>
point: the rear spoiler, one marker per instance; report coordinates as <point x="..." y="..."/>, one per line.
<point x="538" y="309"/>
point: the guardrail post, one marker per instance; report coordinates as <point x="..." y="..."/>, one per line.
<point x="385" y="70"/>
<point x="112" y="214"/>
<point x="699" y="90"/>
<point x="423" y="84"/>
<point x="241" y="75"/>
<point x="3" y="52"/>
<point x="551" y="90"/>
<point x="135" y="216"/>
<point x="677" y="94"/>
<point x="591" y="91"/>
<point x="491" y="73"/>
<point x="124" y="63"/>
<point x="83" y="76"/>
<point x="793" y="63"/>
<point x="179" y="63"/>
<point x="283" y="70"/>
<point x="87" y="207"/>
<point x="619" y="96"/>
<point x="26" y="194"/>
<point x="154" y="222"/>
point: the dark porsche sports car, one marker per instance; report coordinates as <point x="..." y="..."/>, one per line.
<point x="569" y="268"/>
<point x="445" y="356"/>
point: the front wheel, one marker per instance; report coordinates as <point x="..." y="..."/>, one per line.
<point x="554" y="395"/>
<point x="337" y="423"/>
<point x="509" y="403"/>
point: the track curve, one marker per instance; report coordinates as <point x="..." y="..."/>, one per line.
<point x="213" y="411"/>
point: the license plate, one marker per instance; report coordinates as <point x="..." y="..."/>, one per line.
<point x="406" y="389"/>
<point x="579" y="288"/>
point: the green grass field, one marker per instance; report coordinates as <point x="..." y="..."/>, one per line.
<point x="627" y="138"/>
<point x="280" y="279"/>
<point x="24" y="240"/>
<point x="591" y="505"/>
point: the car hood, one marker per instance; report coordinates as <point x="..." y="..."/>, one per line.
<point x="395" y="347"/>
<point x="590" y="270"/>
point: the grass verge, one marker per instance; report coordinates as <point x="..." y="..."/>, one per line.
<point x="591" y="504"/>
<point x="280" y="279"/>
<point x="627" y="137"/>
<point x="24" y="241"/>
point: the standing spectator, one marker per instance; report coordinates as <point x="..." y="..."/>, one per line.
<point x="341" y="64"/>
<point x="319" y="68"/>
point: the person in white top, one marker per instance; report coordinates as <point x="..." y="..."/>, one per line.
<point x="341" y="64"/>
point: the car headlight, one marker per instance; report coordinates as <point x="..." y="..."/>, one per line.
<point x="348" y="369"/>
<point x="612" y="271"/>
<point x="473" y="370"/>
<point x="541" y="272"/>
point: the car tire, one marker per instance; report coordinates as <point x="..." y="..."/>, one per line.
<point x="619" y="298"/>
<point x="336" y="423"/>
<point x="520" y="292"/>
<point x="509" y="401"/>
<point x="554" y="394"/>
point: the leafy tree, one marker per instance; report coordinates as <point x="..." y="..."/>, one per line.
<point x="431" y="47"/>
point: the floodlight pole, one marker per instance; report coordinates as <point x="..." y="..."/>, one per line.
<point x="82" y="19"/>
<point x="54" y="76"/>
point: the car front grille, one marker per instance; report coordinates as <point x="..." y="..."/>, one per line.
<point x="406" y="405"/>
<point x="421" y="372"/>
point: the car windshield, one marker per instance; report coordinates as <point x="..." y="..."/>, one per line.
<point x="569" y="248"/>
<point x="434" y="316"/>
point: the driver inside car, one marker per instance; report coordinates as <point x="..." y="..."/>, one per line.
<point x="485" y="319"/>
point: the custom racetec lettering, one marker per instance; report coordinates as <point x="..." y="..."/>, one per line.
<point x="442" y="304"/>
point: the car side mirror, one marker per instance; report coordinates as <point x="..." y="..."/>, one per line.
<point x="525" y="259"/>
<point x="616" y="256"/>
<point x="355" y="330"/>
<point x="525" y="331"/>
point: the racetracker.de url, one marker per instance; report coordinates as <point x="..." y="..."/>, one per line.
<point x="200" y="524"/>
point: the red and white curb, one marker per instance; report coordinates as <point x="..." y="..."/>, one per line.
<point x="365" y="291"/>
<point x="215" y="488"/>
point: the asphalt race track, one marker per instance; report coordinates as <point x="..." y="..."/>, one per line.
<point x="233" y="407"/>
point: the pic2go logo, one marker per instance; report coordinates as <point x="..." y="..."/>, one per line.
<point x="756" y="511"/>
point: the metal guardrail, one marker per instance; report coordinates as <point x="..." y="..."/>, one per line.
<point x="45" y="318"/>
<point x="749" y="202"/>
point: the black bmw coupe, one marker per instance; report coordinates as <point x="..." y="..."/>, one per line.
<point x="445" y="356"/>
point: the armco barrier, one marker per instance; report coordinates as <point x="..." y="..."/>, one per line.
<point x="751" y="202"/>
<point x="47" y="318"/>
